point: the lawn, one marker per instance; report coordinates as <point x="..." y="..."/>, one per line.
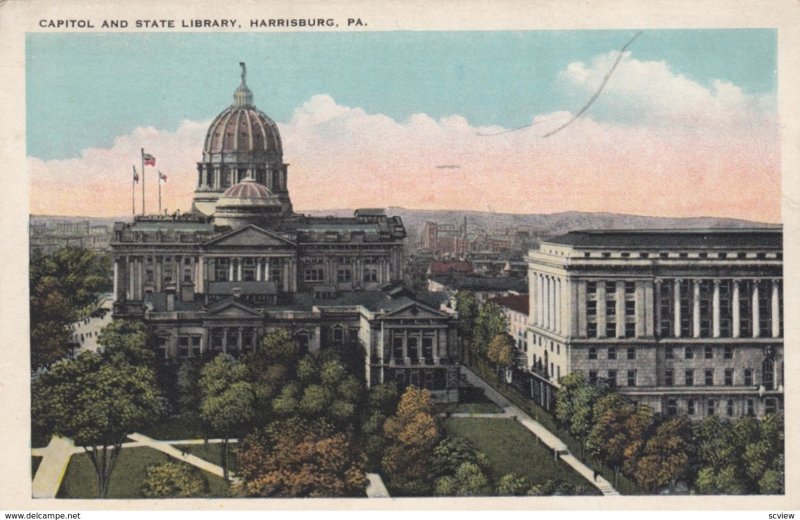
<point x="511" y="448"/>
<point x="470" y="400"/>
<point x="212" y="453"/>
<point x="127" y="477"/>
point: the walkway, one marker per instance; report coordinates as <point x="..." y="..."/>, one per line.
<point x="166" y="447"/>
<point x="375" y="487"/>
<point x="86" y="331"/>
<point x="55" y="459"/>
<point x="550" y="440"/>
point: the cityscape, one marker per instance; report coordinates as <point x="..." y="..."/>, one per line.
<point x="234" y="346"/>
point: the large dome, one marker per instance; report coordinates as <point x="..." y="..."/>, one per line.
<point x="243" y="128"/>
<point x="247" y="189"/>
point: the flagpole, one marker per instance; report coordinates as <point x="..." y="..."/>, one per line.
<point x="133" y="191"/>
<point x="143" y="182"/>
<point x="159" y="192"/>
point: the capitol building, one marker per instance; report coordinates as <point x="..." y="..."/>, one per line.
<point x="243" y="262"/>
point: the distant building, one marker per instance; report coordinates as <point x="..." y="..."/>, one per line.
<point x="447" y="268"/>
<point x="483" y="287"/>
<point x="515" y="309"/>
<point x="48" y="236"/>
<point x="689" y="322"/>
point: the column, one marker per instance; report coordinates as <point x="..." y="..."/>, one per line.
<point x="601" y="309"/>
<point x="776" y="310"/>
<point x="266" y="269"/>
<point x="736" y="318"/>
<point x="756" y="317"/>
<point x="239" y="340"/>
<point x="539" y="298"/>
<point x="259" y="267"/>
<point x="140" y="276"/>
<point x="129" y="266"/>
<point x="696" y="308"/>
<point x="286" y="276"/>
<point x="619" y="310"/>
<point x="225" y="340"/>
<point x="676" y="300"/>
<point x="715" y="309"/>
<point x="116" y="279"/>
<point x="549" y="308"/>
<point x="239" y="262"/>
<point x="557" y="302"/>
<point x="217" y="178"/>
<point x="230" y="269"/>
<point x="657" y="304"/>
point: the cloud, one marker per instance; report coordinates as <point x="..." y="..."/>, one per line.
<point x="714" y="151"/>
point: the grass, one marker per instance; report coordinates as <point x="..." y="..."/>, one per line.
<point x="507" y="444"/>
<point x="624" y="485"/>
<point x="80" y="480"/>
<point x="175" y="428"/>
<point x="35" y="461"/>
<point x="212" y="453"/>
<point x="470" y="400"/>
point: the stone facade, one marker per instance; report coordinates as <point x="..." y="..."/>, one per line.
<point x="687" y="322"/>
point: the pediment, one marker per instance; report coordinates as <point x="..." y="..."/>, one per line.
<point x="247" y="237"/>
<point x="415" y="311"/>
<point x="233" y="310"/>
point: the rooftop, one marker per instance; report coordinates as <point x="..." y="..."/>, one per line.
<point x="515" y="302"/>
<point x="727" y="238"/>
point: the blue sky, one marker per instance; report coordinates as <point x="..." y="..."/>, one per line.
<point x="83" y="90"/>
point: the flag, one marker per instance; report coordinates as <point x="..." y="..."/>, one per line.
<point x="162" y="176"/>
<point x="149" y="160"/>
<point x="135" y="175"/>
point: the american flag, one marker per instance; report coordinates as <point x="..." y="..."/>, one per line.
<point x="149" y="160"/>
<point x="135" y="175"/>
<point x="162" y="176"/>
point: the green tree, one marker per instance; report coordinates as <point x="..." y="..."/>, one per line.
<point x="173" y="480"/>
<point x="467" y="308"/>
<point x="513" y="484"/>
<point x="300" y="458"/>
<point x="228" y="400"/>
<point x="490" y="322"/>
<point x="451" y="452"/>
<point x="500" y="352"/>
<point x="97" y="404"/>
<point x="666" y="455"/>
<point x="575" y="402"/>
<point x="381" y="402"/>
<point x="469" y="480"/>
<point x="719" y="466"/>
<point x="127" y="341"/>
<point x="763" y="455"/>
<point x="411" y="435"/>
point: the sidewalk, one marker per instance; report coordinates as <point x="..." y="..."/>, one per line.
<point x="550" y="440"/>
<point x="55" y="459"/>
<point x="166" y="447"/>
<point x="375" y="487"/>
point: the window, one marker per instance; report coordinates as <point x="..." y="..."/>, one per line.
<point x="591" y="330"/>
<point x="771" y="406"/>
<point x="751" y="409"/>
<point x="183" y="346"/>
<point x="313" y="274"/>
<point x="612" y="378"/>
<point x="370" y="274"/>
<point x="709" y="377"/>
<point x="728" y="353"/>
<point x="343" y="275"/>
<point x="688" y="353"/>
<point x="630" y="288"/>
<point x="689" y="377"/>
<point x="427" y="347"/>
<point x="167" y="275"/>
<point x="690" y="410"/>
<point x="748" y="377"/>
<point x="630" y="329"/>
<point x="708" y="352"/>
<point x="337" y="334"/>
<point x="591" y="308"/>
<point x="631" y="353"/>
<point x="612" y="352"/>
<point x="611" y="288"/>
<point x="412" y="347"/>
<point x="668" y="354"/>
<point x="669" y="377"/>
<point x="711" y="407"/>
<point x="592" y="377"/>
<point x="611" y="328"/>
<point x="397" y="349"/>
<point x="591" y="288"/>
<point x="630" y="308"/>
<point x="672" y="406"/>
<point x="592" y="353"/>
<point x="728" y="377"/>
<point x="729" y="407"/>
<point x="149" y="275"/>
<point x="187" y="274"/>
<point x="196" y="346"/>
<point x="631" y="378"/>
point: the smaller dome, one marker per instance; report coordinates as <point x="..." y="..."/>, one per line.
<point x="247" y="189"/>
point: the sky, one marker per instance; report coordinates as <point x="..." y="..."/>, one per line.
<point x="686" y="124"/>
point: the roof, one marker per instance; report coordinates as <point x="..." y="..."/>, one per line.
<point x="744" y="238"/>
<point x="515" y="302"/>
<point x="439" y="268"/>
<point x="247" y="189"/>
<point x="482" y="283"/>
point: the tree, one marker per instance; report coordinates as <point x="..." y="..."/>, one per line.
<point x="719" y="462"/>
<point x="173" y="480"/>
<point x="127" y="341"/>
<point x="500" y="352"/>
<point x="618" y="432"/>
<point x="381" y="402"/>
<point x="228" y="400"/>
<point x="467" y="308"/>
<point x="411" y="435"/>
<point x="666" y="455"/>
<point x="451" y="452"/>
<point x="300" y="458"/>
<point x="763" y="455"/>
<point x="469" y="480"/>
<point x="575" y="402"/>
<point x="97" y="404"/>
<point x="513" y="484"/>
<point x="490" y="322"/>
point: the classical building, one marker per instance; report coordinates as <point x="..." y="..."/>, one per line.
<point x="243" y="262"/>
<point x="689" y="322"/>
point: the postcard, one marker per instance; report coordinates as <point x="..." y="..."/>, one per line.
<point x="527" y="256"/>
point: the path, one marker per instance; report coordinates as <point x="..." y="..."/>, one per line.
<point x="86" y="331"/>
<point x="166" y="447"/>
<point x="375" y="487"/>
<point x="550" y="440"/>
<point x="55" y="459"/>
